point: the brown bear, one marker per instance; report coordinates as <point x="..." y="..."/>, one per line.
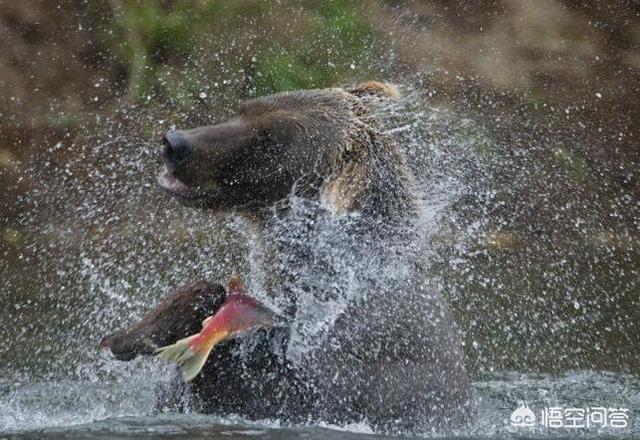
<point x="365" y="334"/>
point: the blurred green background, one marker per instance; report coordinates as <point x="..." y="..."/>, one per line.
<point x="62" y="61"/>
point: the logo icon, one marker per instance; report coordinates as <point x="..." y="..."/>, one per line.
<point x="523" y="415"/>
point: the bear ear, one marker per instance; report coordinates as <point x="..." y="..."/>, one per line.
<point x="376" y="88"/>
<point x="342" y="192"/>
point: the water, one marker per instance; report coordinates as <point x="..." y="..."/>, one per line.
<point x="98" y="245"/>
<point x="88" y="409"/>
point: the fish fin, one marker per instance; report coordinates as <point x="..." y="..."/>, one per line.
<point x="190" y="361"/>
<point x="177" y="351"/>
<point x="192" y="366"/>
<point x="235" y="284"/>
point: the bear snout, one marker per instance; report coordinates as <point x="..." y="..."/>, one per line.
<point x="177" y="148"/>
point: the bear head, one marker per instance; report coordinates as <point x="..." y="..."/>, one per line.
<point x="316" y="143"/>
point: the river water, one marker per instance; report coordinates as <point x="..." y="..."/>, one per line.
<point x="122" y="406"/>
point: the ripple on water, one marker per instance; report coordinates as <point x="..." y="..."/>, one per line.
<point x="67" y="409"/>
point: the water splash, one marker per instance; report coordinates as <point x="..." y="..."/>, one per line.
<point x="101" y="245"/>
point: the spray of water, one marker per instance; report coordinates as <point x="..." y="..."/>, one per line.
<point x="102" y="245"/>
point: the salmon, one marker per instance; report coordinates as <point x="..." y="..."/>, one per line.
<point x="239" y="314"/>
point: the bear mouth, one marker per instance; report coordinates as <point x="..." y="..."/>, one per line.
<point x="170" y="183"/>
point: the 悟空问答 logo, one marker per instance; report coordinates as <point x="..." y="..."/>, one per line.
<point x="523" y="415"/>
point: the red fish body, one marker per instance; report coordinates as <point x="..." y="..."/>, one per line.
<point x="240" y="314"/>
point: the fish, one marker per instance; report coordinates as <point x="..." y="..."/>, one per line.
<point x="239" y="315"/>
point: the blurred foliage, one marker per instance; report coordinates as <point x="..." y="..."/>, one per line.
<point x="337" y="40"/>
<point x="166" y="46"/>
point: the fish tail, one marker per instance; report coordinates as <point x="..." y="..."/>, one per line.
<point x="191" y="361"/>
